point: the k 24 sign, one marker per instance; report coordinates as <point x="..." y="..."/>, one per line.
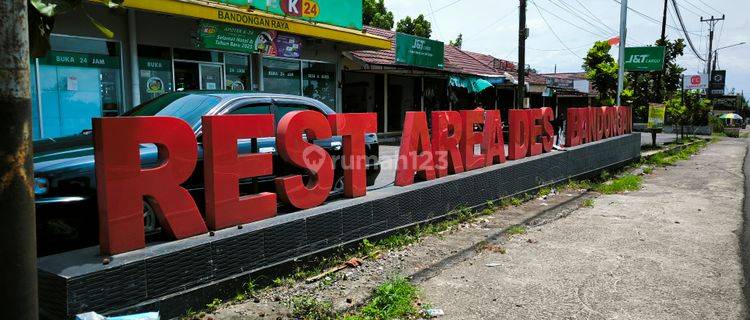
<point x="695" y="81"/>
<point x="122" y="183"/>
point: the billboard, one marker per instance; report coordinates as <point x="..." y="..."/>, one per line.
<point x="717" y="83"/>
<point x="644" y="59"/>
<point x="342" y="13"/>
<point x="227" y="37"/>
<point x="695" y="81"/>
<point x="421" y="52"/>
<point x="656" y="113"/>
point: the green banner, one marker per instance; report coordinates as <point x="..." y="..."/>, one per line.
<point x="656" y="116"/>
<point x="72" y="59"/>
<point x="644" y="59"/>
<point x="227" y="37"/>
<point x="342" y="13"/>
<point x="421" y="52"/>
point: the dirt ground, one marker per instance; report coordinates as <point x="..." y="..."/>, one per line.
<point x="668" y="251"/>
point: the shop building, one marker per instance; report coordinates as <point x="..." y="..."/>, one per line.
<point x="569" y="90"/>
<point x="162" y="46"/>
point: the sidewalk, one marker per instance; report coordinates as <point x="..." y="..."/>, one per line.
<point x="668" y="251"/>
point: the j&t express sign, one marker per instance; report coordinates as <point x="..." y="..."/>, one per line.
<point x="446" y="148"/>
<point x="342" y="13"/>
<point x="420" y="52"/>
<point x="644" y="58"/>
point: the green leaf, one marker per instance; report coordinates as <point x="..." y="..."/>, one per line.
<point x="50" y="8"/>
<point x="104" y="30"/>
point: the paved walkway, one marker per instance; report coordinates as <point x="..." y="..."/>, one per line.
<point x="668" y="251"/>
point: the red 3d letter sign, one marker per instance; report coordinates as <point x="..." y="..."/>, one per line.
<point x="592" y="124"/>
<point x="122" y="184"/>
<point x="224" y="169"/>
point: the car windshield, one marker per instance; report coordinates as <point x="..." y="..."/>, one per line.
<point x="186" y="106"/>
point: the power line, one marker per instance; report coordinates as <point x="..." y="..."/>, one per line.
<point x="697" y="7"/>
<point x="691" y="11"/>
<point x="553" y="30"/>
<point x="649" y="18"/>
<point x="434" y="21"/>
<point x="598" y="28"/>
<point x="446" y="6"/>
<point x="596" y="18"/>
<point x="570" y="23"/>
<point x="687" y="35"/>
<point x="557" y="50"/>
<point x="475" y="35"/>
<point x="712" y="8"/>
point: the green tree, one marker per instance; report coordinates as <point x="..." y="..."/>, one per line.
<point x="601" y="70"/>
<point x="458" y="42"/>
<point x="419" y="26"/>
<point x="376" y="15"/>
<point x="692" y="110"/>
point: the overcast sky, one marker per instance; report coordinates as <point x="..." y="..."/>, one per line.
<point x="491" y="27"/>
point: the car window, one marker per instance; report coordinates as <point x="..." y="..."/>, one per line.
<point x="252" y="109"/>
<point x="283" y="108"/>
<point x="186" y="106"/>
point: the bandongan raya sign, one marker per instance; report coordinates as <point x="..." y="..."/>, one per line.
<point x="342" y="13"/>
<point x="644" y="58"/>
<point x="122" y="183"/>
<point x="421" y="52"/>
<point x="220" y="36"/>
<point x="656" y="113"/>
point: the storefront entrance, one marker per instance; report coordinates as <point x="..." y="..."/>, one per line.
<point x="198" y="76"/>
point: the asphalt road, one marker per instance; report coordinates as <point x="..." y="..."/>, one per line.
<point x="389" y="155"/>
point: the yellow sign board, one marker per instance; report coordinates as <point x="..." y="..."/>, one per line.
<point x="258" y="19"/>
<point x="656" y="114"/>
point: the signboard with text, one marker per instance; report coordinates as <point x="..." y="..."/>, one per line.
<point x="644" y="59"/>
<point x="718" y="83"/>
<point x="342" y="13"/>
<point x="656" y="113"/>
<point x="695" y="81"/>
<point x="228" y="37"/>
<point x="420" y="52"/>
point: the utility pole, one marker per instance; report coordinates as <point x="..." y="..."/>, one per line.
<point x="662" y="42"/>
<point x="523" y="33"/>
<point x="711" y="26"/>
<point x="18" y="274"/>
<point x="623" y="42"/>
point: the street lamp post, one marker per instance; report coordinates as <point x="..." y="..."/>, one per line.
<point x="716" y="52"/>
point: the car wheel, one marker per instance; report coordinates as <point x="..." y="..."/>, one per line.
<point x="338" y="186"/>
<point x="150" y="222"/>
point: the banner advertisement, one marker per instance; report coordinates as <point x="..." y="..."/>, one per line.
<point x="656" y="113"/>
<point x="228" y="37"/>
<point x="695" y="81"/>
<point x="644" y="59"/>
<point x="420" y="52"/>
<point x="718" y="83"/>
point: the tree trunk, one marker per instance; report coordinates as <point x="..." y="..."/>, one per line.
<point x="18" y="275"/>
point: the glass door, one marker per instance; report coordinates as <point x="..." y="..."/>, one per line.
<point x="211" y="77"/>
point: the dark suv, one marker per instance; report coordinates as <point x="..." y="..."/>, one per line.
<point x="65" y="185"/>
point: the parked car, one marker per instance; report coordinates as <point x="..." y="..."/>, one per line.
<point x="65" y="185"/>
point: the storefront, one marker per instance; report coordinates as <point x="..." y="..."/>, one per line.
<point x="163" y="46"/>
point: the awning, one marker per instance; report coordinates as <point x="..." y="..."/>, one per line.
<point x="257" y="19"/>
<point x="473" y="84"/>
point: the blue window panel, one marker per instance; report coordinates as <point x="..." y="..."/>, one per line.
<point x="51" y="114"/>
<point x="68" y="112"/>
<point x="36" y="133"/>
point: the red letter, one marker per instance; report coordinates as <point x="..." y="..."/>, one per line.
<point x="612" y="115"/>
<point x="604" y="118"/>
<point x="599" y="123"/>
<point x="583" y="124"/>
<point x="535" y="131"/>
<point x="445" y="143"/>
<point x="549" y="132"/>
<point x="224" y="168"/>
<point x="518" y="137"/>
<point x="294" y="149"/>
<point x="470" y="139"/>
<point x="352" y="127"/>
<point x="122" y="184"/>
<point x="572" y="129"/>
<point x="493" y="143"/>
<point x="415" y="154"/>
<point x="591" y="114"/>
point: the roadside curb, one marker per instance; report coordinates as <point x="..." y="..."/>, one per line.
<point x="646" y="155"/>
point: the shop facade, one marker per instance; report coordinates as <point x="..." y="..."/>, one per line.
<point x="169" y="45"/>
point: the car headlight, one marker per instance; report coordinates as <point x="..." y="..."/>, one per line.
<point x="41" y="186"/>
